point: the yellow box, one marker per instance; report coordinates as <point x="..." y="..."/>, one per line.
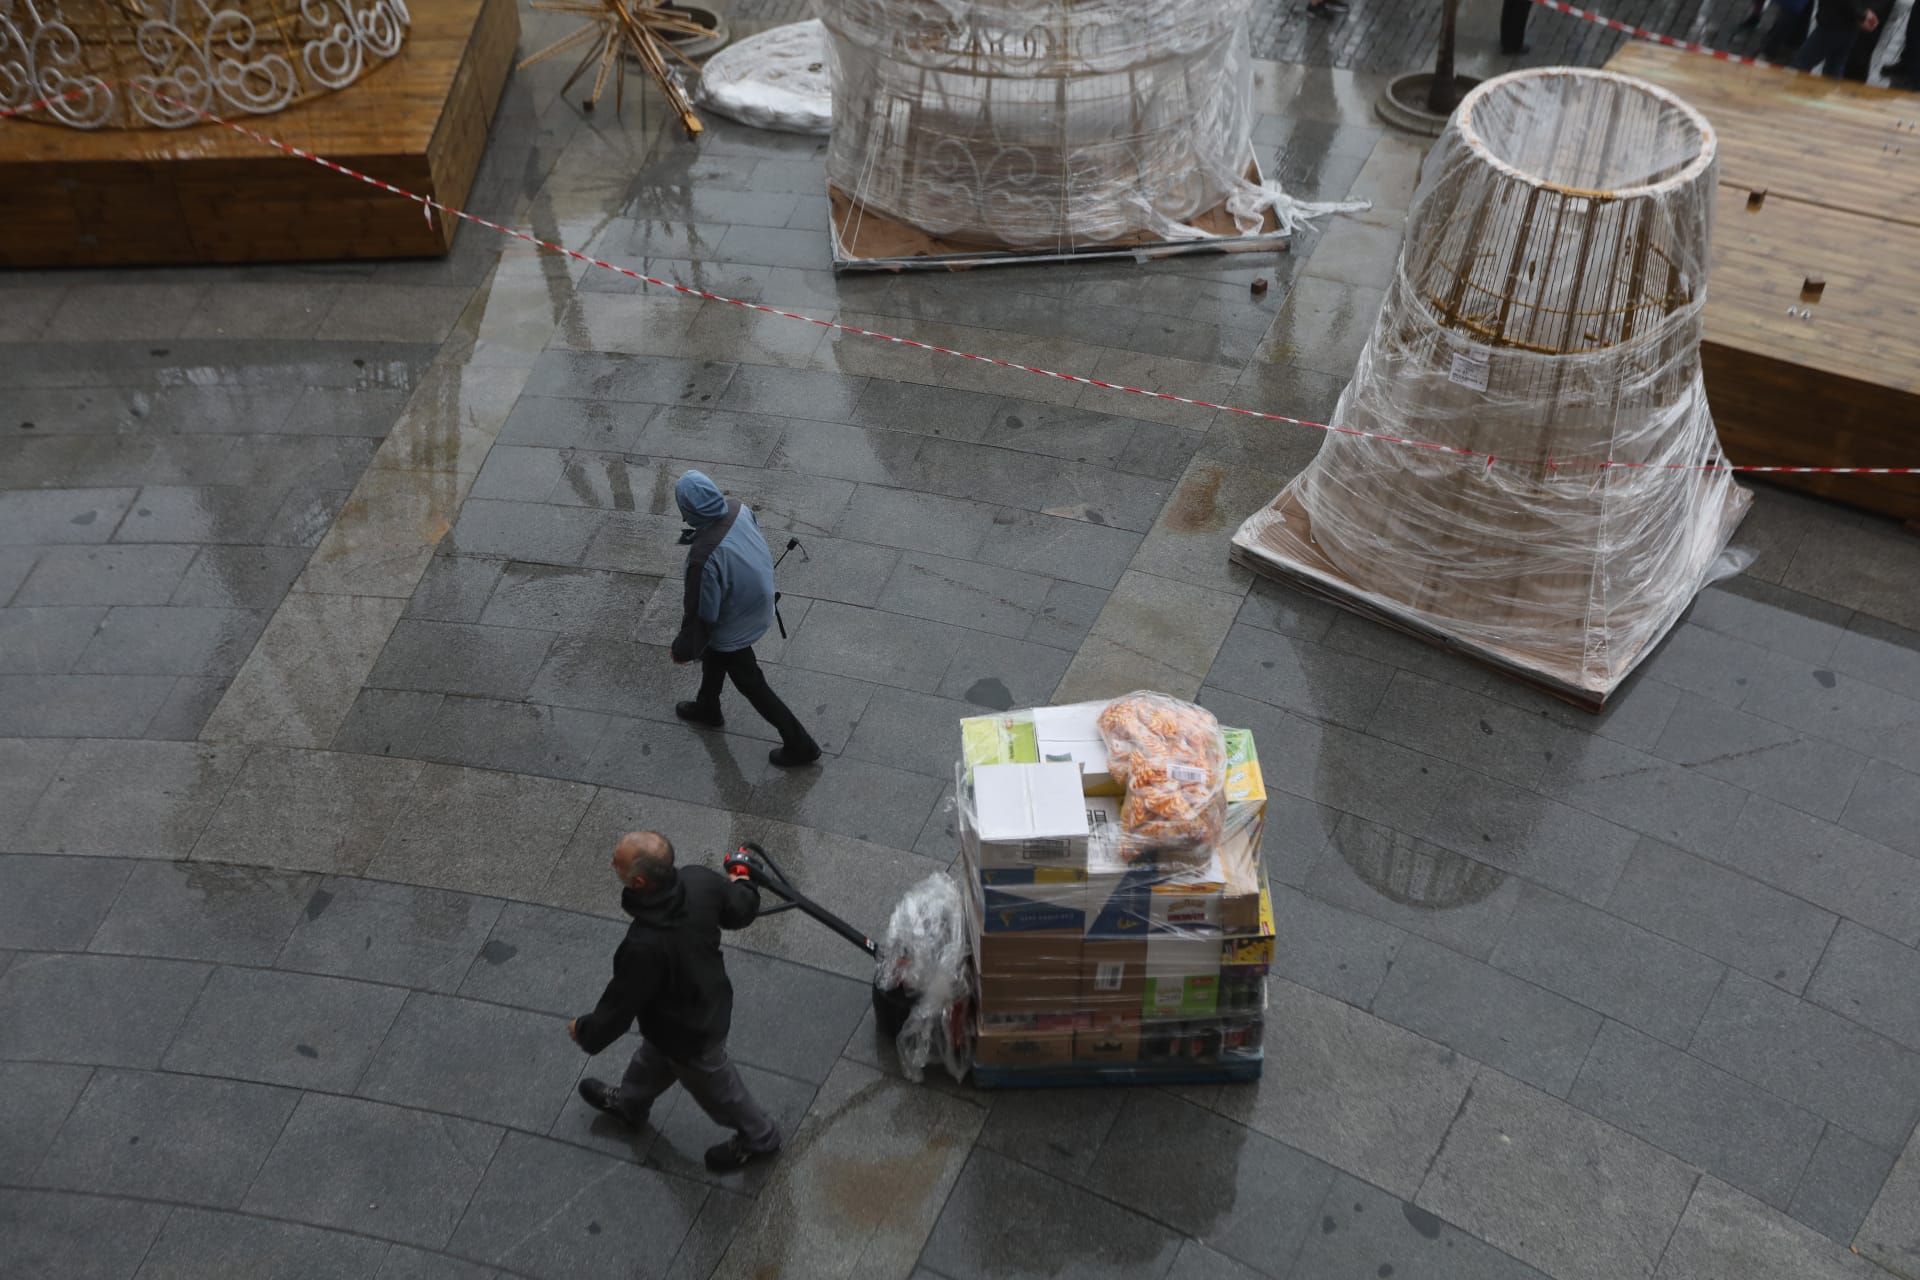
<point x="1257" y="949"/>
<point x="1244" y="783"/>
<point x="1004" y="739"/>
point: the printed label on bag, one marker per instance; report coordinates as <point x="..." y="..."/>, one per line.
<point x="1106" y="975"/>
<point x="1186" y="773"/>
<point x="1469" y="369"/>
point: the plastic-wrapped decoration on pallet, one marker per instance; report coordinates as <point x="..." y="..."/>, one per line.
<point x="775" y="80"/>
<point x="1544" y="323"/>
<point x="1044" y="123"/>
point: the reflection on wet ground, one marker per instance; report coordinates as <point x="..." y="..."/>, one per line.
<point x="332" y="659"/>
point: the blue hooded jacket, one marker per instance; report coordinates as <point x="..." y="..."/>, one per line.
<point x="729" y="590"/>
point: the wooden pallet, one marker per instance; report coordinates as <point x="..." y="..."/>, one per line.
<point x="1834" y="201"/>
<point x="70" y="197"/>
<point x="867" y="240"/>
<point x="1288" y="554"/>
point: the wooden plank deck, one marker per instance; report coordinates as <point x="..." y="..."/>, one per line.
<point x="1843" y="387"/>
<point x="76" y="198"/>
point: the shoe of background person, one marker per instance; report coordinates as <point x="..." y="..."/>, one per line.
<point x="691" y="712"/>
<point x="1515" y="53"/>
<point x="787" y="758"/>
<point x="734" y="1154"/>
<point x="599" y="1095"/>
<point x="1327" y="8"/>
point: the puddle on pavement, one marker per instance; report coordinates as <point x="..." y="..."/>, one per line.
<point x="1413" y="873"/>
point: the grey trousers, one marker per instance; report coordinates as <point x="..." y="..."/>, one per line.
<point x="712" y="1080"/>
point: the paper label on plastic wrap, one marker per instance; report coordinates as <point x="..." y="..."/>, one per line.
<point x="1043" y="850"/>
<point x="1107" y="975"/>
<point x="1186" y="773"/>
<point x="1469" y="369"/>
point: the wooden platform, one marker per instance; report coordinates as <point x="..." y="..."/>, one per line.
<point x="1834" y="201"/>
<point x="207" y="194"/>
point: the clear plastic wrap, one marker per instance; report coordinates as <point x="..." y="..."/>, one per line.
<point x="775" y="80"/>
<point x="1099" y="954"/>
<point x="925" y="950"/>
<point x="1545" y="317"/>
<point x="1169" y="756"/>
<point x="1047" y="124"/>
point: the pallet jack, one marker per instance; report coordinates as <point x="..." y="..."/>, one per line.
<point x="892" y="1001"/>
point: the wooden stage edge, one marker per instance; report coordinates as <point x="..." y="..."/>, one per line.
<point x="1811" y="185"/>
<point x="72" y="197"/>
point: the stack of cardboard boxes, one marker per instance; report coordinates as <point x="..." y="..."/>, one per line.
<point x="1097" y="961"/>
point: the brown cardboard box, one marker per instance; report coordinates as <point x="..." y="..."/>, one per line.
<point x="1113" y="975"/>
<point x="1054" y="950"/>
<point x="1031" y="991"/>
<point x="1020" y="1047"/>
<point x="1239" y="853"/>
<point x="1108" y="1040"/>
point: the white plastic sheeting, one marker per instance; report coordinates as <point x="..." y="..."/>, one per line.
<point x="1047" y="124"/>
<point x="778" y="79"/>
<point x="925" y="950"/>
<point x="1545" y="320"/>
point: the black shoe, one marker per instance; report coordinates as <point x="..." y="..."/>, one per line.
<point x="599" y="1095"/>
<point x="734" y="1154"/>
<point x="788" y="758"/>
<point x="1516" y="53"/>
<point x="692" y="711"/>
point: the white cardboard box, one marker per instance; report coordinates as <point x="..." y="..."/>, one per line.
<point x="1071" y="735"/>
<point x="1030" y="815"/>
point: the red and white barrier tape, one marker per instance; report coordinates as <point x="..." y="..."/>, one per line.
<point x="1552" y="465"/>
<point x="1627" y="28"/>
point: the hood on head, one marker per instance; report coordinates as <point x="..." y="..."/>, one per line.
<point x="700" y="499"/>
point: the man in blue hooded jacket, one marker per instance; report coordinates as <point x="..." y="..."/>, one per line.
<point x="729" y="605"/>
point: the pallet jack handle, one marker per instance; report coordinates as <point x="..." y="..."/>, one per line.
<point x="763" y="872"/>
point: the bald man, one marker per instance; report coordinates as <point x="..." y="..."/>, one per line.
<point x="668" y="974"/>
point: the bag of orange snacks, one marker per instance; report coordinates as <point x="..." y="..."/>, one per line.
<point x="1173" y="761"/>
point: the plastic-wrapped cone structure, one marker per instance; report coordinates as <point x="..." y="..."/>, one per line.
<point x="1044" y="124"/>
<point x="1544" y="327"/>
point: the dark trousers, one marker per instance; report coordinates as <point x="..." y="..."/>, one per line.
<point x="1513" y="24"/>
<point x="1826" y="50"/>
<point x="739" y="665"/>
<point x="714" y="1083"/>
<point x="1787" y="34"/>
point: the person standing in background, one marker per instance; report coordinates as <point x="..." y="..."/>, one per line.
<point x="1837" y="25"/>
<point x="1513" y="27"/>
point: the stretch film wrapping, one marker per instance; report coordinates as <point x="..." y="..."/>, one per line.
<point x="1047" y="124"/>
<point x="1110" y="945"/>
<point x="1543" y="326"/>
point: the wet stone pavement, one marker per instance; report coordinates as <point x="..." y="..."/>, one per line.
<point x="333" y="605"/>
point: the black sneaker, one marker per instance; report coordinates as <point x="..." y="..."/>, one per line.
<point x="789" y="758"/>
<point x="734" y="1155"/>
<point x="692" y="712"/>
<point x="599" y="1095"/>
